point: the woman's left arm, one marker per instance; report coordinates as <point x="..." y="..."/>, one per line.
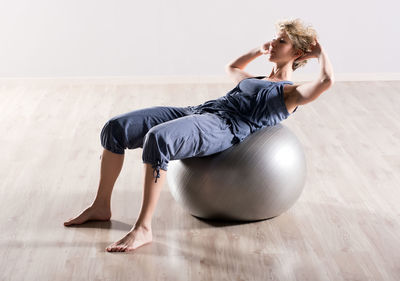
<point x="309" y="91"/>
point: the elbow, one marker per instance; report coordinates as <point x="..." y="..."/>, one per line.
<point x="228" y="68"/>
<point x="331" y="80"/>
<point x="328" y="81"/>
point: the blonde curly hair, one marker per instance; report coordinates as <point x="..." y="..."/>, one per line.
<point x="302" y="36"/>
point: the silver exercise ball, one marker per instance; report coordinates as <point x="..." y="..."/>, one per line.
<point x="259" y="178"/>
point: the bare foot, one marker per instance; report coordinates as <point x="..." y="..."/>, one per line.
<point x="91" y="213"/>
<point x="135" y="238"/>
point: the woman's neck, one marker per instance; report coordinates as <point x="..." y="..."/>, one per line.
<point x="281" y="72"/>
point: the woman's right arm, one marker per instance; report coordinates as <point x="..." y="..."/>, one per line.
<point x="235" y="68"/>
<point x="243" y="60"/>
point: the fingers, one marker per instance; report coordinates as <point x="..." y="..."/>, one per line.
<point x="263" y="50"/>
<point x="266" y="45"/>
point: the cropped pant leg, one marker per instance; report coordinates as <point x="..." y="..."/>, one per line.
<point x="166" y="133"/>
<point x="194" y="135"/>
<point x="127" y="131"/>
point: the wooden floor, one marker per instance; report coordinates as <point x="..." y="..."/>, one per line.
<point x="345" y="226"/>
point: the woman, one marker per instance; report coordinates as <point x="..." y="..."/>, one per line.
<point x="170" y="133"/>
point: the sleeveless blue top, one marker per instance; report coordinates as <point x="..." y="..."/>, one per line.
<point x="253" y="104"/>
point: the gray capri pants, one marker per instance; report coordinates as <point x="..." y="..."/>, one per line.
<point x="167" y="133"/>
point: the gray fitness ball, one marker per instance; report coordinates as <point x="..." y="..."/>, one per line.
<point x="259" y="178"/>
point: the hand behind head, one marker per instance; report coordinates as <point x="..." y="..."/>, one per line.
<point x="313" y="52"/>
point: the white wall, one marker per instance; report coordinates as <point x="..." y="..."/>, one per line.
<point x="52" y="38"/>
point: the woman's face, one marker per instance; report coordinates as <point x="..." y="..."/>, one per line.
<point x="281" y="48"/>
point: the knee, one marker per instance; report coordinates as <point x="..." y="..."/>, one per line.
<point x="154" y="139"/>
<point x="112" y="137"/>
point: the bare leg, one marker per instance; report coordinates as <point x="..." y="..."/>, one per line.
<point x="111" y="165"/>
<point x="141" y="232"/>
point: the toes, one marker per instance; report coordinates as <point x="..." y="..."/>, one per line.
<point x="126" y="244"/>
<point x="68" y="222"/>
<point x="115" y="247"/>
<point x="110" y="248"/>
<point x="72" y="221"/>
<point x="123" y="247"/>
